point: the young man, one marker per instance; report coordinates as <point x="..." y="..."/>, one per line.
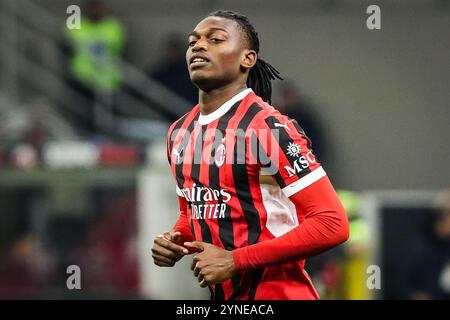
<point x="251" y="242"/>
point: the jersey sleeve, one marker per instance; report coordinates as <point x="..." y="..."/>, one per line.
<point x="282" y="149"/>
<point x="182" y="225"/>
<point x="324" y="226"/>
<point x="169" y="140"/>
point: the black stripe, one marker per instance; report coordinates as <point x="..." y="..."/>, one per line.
<point x="219" y="294"/>
<point x="177" y="126"/>
<point x="195" y="176"/>
<point x="226" y="224"/>
<point x="241" y="180"/>
<point x="182" y="147"/>
<point x="284" y="139"/>
<point x="256" y="279"/>
<point x="226" y="232"/>
<point x="196" y="158"/>
<point x="179" y="166"/>
<point x="236" y="281"/>
<point x="263" y="159"/>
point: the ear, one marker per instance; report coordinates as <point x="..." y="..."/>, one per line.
<point x="248" y="59"/>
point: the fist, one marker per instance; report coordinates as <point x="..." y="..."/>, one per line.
<point x="167" y="249"/>
<point x="211" y="264"/>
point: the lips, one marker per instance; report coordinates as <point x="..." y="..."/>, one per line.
<point x="198" y="60"/>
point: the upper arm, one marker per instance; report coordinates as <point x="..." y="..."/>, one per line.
<point x="284" y="151"/>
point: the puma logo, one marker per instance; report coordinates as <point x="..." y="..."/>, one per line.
<point x="178" y="155"/>
<point x="278" y="125"/>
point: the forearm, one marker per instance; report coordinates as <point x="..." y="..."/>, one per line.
<point x="325" y="226"/>
<point x="182" y="224"/>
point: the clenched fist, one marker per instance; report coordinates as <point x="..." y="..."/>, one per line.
<point x="212" y="264"/>
<point x="167" y="249"/>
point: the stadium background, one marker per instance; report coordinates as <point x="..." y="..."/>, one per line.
<point x="378" y="101"/>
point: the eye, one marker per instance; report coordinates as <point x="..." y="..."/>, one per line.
<point x="191" y="43"/>
<point x="216" y="40"/>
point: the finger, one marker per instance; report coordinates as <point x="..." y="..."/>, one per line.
<point x="203" y="283"/>
<point x="200" y="246"/>
<point x="195" y="259"/>
<point x="175" y="236"/>
<point x="165" y="252"/>
<point x="168" y="244"/>
<point x="163" y="261"/>
<point x="200" y="277"/>
<point x="197" y="269"/>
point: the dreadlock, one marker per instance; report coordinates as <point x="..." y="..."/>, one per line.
<point x="262" y="73"/>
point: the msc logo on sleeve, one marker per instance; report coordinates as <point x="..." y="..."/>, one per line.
<point x="301" y="163"/>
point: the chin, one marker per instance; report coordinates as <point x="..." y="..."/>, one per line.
<point x="202" y="81"/>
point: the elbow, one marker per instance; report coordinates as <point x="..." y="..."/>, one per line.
<point x="345" y="232"/>
<point x="343" y="229"/>
<point x="340" y="229"/>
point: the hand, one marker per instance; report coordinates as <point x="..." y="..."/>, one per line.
<point x="167" y="249"/>
<point x="212" y="264"/>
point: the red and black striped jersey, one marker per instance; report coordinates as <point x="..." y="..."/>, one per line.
<point x="216" y="160"/>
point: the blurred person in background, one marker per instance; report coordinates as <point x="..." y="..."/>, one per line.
<point x="426" y="263"/>
<point x="26" y="265"/>
<point x="171" y="70"/>
<point x="289" y="102"/>
<point x="94" y="59"/>
<point x="244" y="250"/>
<point x="355" y="256"/>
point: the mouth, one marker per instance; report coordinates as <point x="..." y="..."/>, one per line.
<point x="198" y="61"/>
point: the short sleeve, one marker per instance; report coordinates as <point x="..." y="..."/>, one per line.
<point x="282" y="149"/>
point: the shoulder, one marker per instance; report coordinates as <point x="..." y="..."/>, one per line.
<point x="184" y="119"/>
<point x="263" y="114"/>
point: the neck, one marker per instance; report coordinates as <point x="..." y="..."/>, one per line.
<point x="209" y="101"/>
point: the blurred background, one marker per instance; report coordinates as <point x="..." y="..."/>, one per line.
<point x="84" y="112"/>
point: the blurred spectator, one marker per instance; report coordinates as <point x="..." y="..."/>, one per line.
<point x="172" y="70"/>
<point x="94" y="53"/>
<point x="290" y="103"/>
<point x="16" y="270"/>
<point x="426" y="262"/>
<point x="25" y="266"/>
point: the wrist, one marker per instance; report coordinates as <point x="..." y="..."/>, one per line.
<point x="240" y="259"/>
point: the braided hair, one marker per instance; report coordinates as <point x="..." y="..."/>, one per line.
<point x="262" y="73"/>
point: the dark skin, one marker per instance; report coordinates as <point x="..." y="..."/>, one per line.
<point x="221" y="73"/>
<point x="167" y="249"/>
<point x="224" y="44"/>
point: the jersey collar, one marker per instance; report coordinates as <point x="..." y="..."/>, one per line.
<point x="216" y="114"/>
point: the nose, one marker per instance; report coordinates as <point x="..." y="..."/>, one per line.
<point x="200" y="44"/>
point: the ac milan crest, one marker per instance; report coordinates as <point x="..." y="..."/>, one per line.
<point x="219" y="157"/>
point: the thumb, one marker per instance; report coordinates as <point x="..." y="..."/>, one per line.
<point x="175" y="236"/>
<point x="200" y="246"/>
